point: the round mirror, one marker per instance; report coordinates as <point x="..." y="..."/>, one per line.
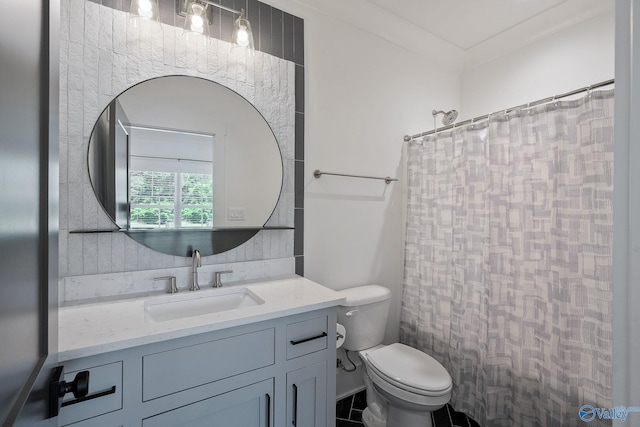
<point x="183" y="163"/>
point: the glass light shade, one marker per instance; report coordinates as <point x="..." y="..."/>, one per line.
<point x="242" y="36"/>
<point x="144" y="10"/>
<point x="196" y="23"/>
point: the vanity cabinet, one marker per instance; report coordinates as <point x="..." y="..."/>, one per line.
<point x="272" y="373"/>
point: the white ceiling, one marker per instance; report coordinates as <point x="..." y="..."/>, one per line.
<point x="470" y="31"/>
<point x="467" y="23"/>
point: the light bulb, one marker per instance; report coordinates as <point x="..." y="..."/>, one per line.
<point x="242" y="36"/>
<point x="196" y="19"/>
<point x="197" y="23"/>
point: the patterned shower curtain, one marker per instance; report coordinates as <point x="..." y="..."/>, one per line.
<point x="508" y="261"/>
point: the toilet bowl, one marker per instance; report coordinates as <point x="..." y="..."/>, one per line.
<point x="413" y="383"/>
<point x="404" y="385"/>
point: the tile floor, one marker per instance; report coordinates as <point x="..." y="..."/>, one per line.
<point x="349" y="414"/>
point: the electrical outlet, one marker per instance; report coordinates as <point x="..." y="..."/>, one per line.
<point x="235" y="214"/>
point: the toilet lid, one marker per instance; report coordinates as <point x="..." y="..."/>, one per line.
<point x="407" y="366"/>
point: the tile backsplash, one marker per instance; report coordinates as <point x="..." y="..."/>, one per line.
<point x="101" y="55"/>
<point x="112" y="285"/>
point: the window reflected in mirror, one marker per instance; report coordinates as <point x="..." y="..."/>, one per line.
<point x="170" y="188"/>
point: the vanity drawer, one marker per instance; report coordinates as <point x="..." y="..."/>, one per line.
<point x="101" y="379"/>
<point x="307" y="336"/>
<point x="183" y="368"/>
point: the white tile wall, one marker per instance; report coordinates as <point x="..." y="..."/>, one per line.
<point x="101" y="55"/>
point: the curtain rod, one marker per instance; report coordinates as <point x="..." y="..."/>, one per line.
<point x="408" y="138"/>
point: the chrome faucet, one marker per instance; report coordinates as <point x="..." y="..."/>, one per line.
<point x="195" y="263"/>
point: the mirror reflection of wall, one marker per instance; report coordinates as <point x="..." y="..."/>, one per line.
<point x="107" y="162"/>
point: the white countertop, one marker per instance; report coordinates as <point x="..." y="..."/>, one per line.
<point x="99" y="327"/>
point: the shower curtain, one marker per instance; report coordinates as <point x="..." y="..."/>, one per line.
<point x="508" y="260"/>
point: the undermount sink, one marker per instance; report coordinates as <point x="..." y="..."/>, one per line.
<point x="196" y="304"/>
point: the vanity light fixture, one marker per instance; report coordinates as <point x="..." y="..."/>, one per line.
<point x="144" y="10"/>
<point x="242" y="36"/>
<point x="197" y="22"/>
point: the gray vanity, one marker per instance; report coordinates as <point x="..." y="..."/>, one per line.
<point x="271" y="363"/>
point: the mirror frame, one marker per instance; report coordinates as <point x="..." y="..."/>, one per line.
<point x="182" y="242"/>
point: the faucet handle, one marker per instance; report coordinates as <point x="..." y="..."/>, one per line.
<point x="172" y="283"/>
<point x="217" y="283"/>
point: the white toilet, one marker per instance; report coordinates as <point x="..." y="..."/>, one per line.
<point x="404" y="385"/>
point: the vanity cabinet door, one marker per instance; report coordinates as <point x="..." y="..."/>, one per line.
<point x="307" y="396"/>
<point x="250" y="406"/>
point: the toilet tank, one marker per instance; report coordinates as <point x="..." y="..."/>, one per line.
<point x="364" y="316"/>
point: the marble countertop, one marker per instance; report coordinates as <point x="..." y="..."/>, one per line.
<point x="108" y="325"/>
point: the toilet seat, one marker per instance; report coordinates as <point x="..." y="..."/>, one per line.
<point x="410" y="370"/>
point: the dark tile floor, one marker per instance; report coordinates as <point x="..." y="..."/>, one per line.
<point x="349" y="414"/>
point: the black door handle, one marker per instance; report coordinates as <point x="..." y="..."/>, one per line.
<point x="90" y="396"/>
<point x="58" y="387"/>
